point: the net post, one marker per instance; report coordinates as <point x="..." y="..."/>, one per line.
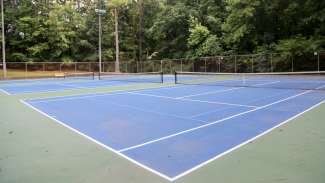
<point x="162" y="77"/>
<point x="175" y="75"/>
<point x="161" y="66"/>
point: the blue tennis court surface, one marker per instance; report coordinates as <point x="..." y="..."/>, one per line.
<point x="52" y="85"/>
<point x="172" y="131"/>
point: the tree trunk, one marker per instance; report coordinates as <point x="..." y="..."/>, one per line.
<point x="117" y="51"/>
<point x="140" y="29"/>
<point x="78" y="4"/>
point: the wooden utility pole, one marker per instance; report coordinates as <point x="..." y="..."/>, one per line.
<point x="140" y="29"/>
<point x="117" y="50"/>
<point x="4" y="66"/>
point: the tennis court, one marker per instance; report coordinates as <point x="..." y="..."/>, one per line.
<point x="79" y="81"/>
<point x="173" y="131"/>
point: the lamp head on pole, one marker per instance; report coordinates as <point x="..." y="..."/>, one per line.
<point x="100" y="11"/>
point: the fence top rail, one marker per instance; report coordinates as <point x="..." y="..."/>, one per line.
<point x="51" y="63"/>
<point x="219" y="57"/>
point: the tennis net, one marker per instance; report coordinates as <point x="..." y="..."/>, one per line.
<point x="282" y="80"/>
<point x="143" y="77"/>
<point x="79" y="75"/>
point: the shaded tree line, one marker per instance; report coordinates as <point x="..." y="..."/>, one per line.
<point x="67" y="30"/>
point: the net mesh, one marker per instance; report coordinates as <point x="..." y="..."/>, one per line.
<point x="79" y="75"/>
<point x="289" y="80"/>
<point x="144" y="77"/>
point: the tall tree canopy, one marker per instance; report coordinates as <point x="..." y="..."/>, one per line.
<point x="67" y="30"/>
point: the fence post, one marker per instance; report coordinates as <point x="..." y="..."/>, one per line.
<point x="141" y="66"/>
<point x="26" y="69"/>
<point x="193" y="66"/>
<point x="318" y="62"/>
<point x="271" y="62"/>
<point x="161" y="66"/>
<point x="205" y="65"/>
<point x="235" y="64"/>
<point x="291" y="63"/>
<point x="181" y="65"/>
<point x="75" y="67"/>
<point x="252" y="64"/>
<point x="137" y="62"/>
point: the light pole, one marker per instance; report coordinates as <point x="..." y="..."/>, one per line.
<point x="100" y="12"/>
<point x="3" y="43"/>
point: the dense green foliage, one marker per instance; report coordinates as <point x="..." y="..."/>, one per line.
<point x="67" y="30"/>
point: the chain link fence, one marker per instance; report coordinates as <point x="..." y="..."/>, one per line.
<point x="253" y="63"/>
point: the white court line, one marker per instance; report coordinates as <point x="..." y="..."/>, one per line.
<point x="144" y="166"/>
<point x="89" y="95"/>
<point x="251" y="101"/>
<point x="120" y="92"/>
<point x="78" y="96"/>
<point x="99" y="143"/>
<point x="206" y="93"/>
<point x="263" y="84"/>
<point x="231" y="89"/>
<point x="159" y="113"/>
<point x="212" y="123"/>
<point x="209" y="112"/>
<point x="244" y="143"/>
<point x="222" y="103"/>
<point x="95" y="94"/>
<point x="50" y="91"/>
<point x="5" y="92"/>
<point x="192" y="100"/>
<point x="72" y="87"/>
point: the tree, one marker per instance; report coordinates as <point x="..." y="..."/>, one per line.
<point x="115" y="5"/>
